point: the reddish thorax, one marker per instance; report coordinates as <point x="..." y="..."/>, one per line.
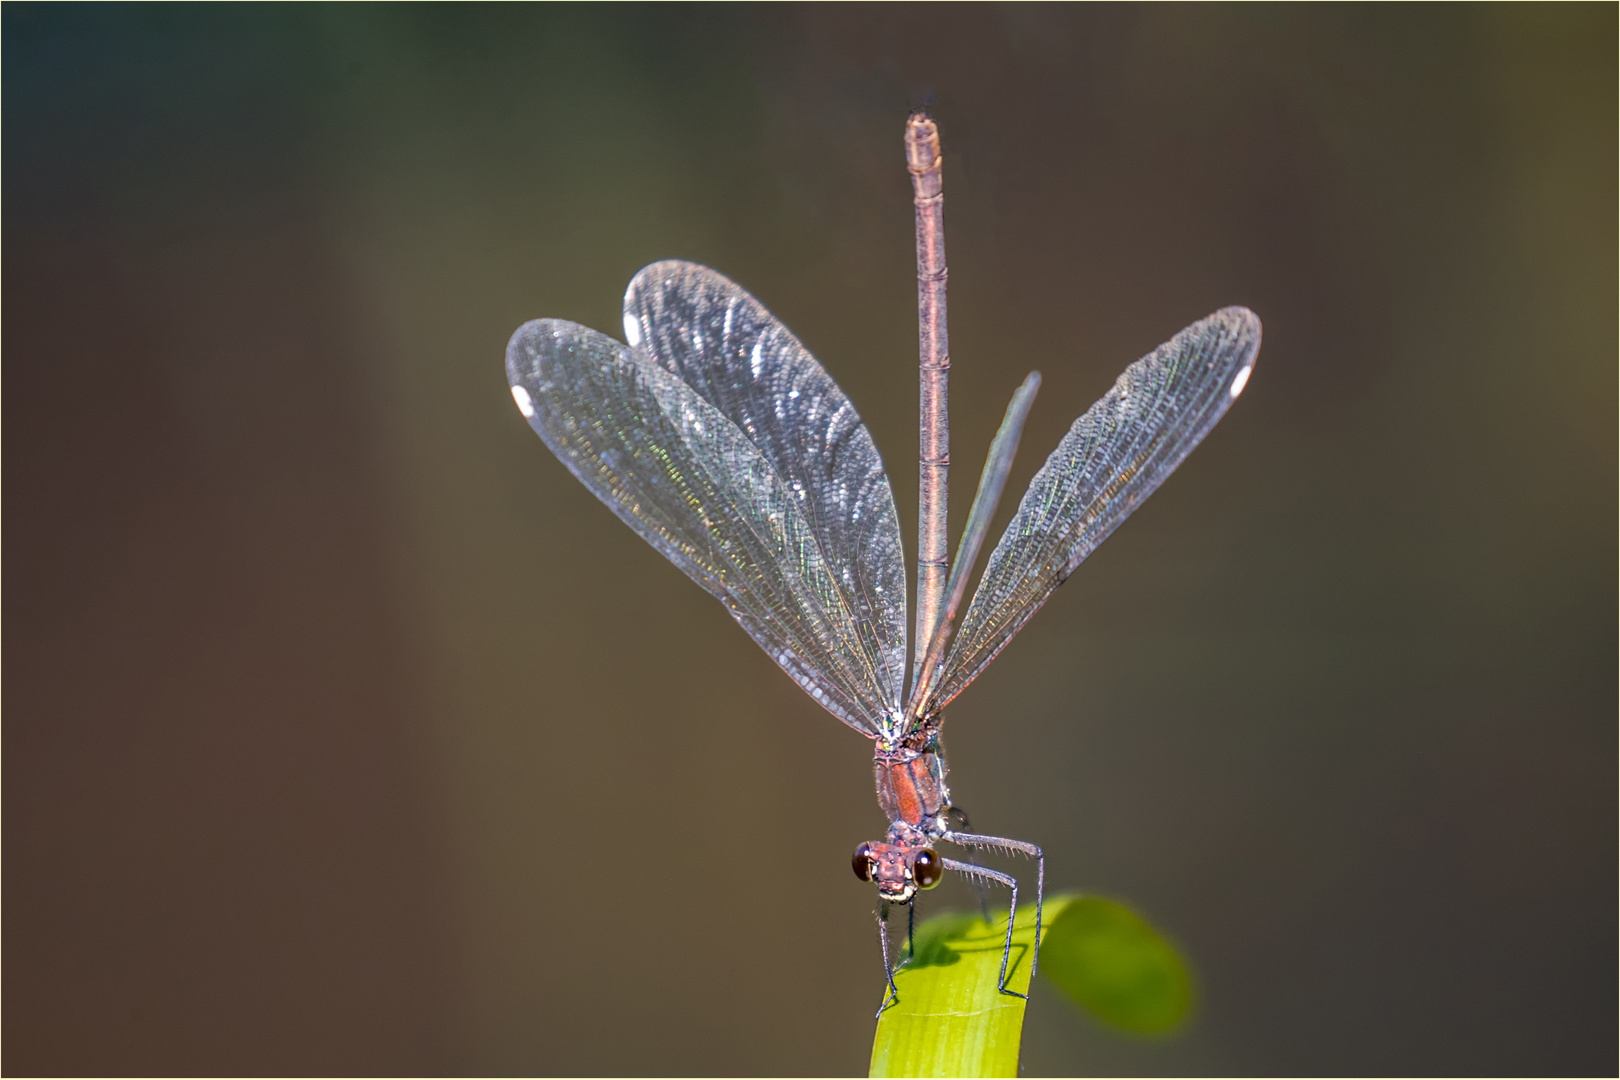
<point x="912" y="792"/>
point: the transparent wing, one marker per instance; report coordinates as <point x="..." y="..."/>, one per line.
<point x="1112" y="459"/>
<point x="997" y="464"/>
<point x="692" y="485"/>
<point x="723" y="343"/>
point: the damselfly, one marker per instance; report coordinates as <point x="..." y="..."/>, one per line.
<point x="714" y="434"/>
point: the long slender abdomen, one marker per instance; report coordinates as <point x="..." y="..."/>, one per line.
<point x="925" y="164"/>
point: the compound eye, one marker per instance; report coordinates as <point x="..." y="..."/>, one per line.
<point x="863" y="862"/>
<point x="926" y="868"/>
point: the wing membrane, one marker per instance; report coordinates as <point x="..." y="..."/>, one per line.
<point x="1113" y="458"/>
<point x="723" y="343"/>
<point x="997" y="464"/>
<point x="693" y="485"/>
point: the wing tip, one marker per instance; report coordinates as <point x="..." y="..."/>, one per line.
<point x="537" y="345"/>
<point x="1240" y="318"/>
<point x="1242" y="326"/>
<point x="523" y="350"/>
<point x="518" y="350"/>
<point x="664" y="269"/>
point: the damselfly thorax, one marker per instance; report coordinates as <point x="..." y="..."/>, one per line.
<point x="912" y="792"/>
<point x="911" y="787"/>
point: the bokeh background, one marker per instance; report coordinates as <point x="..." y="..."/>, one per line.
<point x="345" y="732"/>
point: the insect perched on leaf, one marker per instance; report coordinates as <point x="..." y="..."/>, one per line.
<point x="714" y="434"/>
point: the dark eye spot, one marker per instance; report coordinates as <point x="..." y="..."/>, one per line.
<point x="926" y="868"/>
<point x="862" y="862"/>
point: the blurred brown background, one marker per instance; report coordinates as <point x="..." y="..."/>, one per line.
<point x="346" y="733"/>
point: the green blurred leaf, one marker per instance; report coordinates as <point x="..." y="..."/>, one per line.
<point x="1112" y="963"/>
<point x="951" y="1020"/>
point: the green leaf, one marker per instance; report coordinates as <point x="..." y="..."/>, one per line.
<point x="951" y="1020"/>
<point x="1113" y="964"/>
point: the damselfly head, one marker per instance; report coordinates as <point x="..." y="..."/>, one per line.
<point x="899" y="870"/>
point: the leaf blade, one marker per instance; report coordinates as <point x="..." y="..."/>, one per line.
<point x="951" y="1020"/>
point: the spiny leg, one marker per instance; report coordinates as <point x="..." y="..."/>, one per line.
<point x="893" y="994"/>
<point x="1019" y="847"/>
<point x="957" y="820"/>
<point x="974" y="869"/>
<point x="911" y="932"/>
